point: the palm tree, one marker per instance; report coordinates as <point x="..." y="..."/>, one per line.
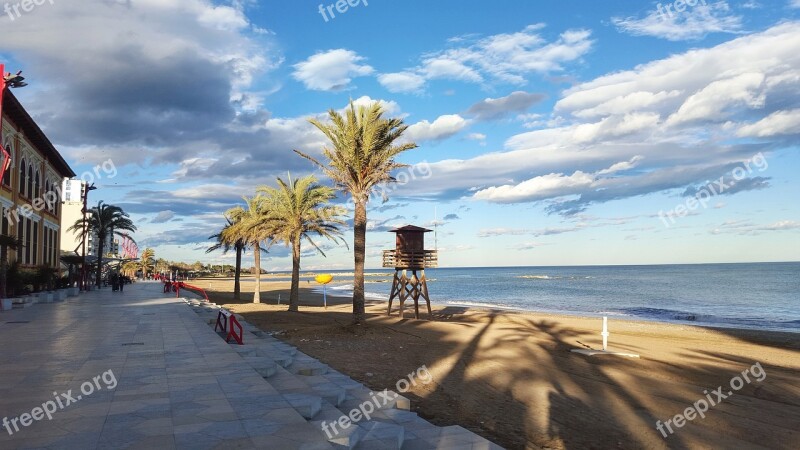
<point x="295" y="212"/>
<point x="102" y="221"/>
<point x="161" y="266"/>
<point x="129" y="268"/>
<point x="225" y="245"/>
<point x="361" y="157"/>
<point x="246" y="227"/>
<point x="147" y="261"/>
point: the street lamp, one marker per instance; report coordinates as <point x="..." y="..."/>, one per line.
<point x="84" y="284"/>
<point x="8" y="80"/>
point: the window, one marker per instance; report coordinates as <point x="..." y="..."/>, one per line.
<point x="7" y="175"/>
<point x="35" y="242"/>
<point x="36" y="185"/>
<point x="28" y="241"/>
<point x="21" y="238"/>
<point x="29" y="180"/>
<point x="5" y="221"/>
<point x="22" y="172"/>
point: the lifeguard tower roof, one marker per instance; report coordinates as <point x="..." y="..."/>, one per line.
<point x="410" y="228"/>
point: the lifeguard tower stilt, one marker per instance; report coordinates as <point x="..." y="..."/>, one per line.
<point x="410" y="255"/>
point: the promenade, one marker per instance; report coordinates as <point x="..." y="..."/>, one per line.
<point x="144" y="370"/>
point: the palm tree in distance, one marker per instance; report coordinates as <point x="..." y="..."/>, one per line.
<point x="246" y="226"/>
<point x="103" y="220"/>
<point x="147" y="261"/>
<point x="226" y="245"/>
<point x="296" y="211"/>
<point x="361" y="156"/>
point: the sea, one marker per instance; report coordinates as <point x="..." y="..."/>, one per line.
<point x="752" y="295"/>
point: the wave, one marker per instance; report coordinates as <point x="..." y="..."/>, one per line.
<point x="552" y="277"/>
<point x="671" y="315"/>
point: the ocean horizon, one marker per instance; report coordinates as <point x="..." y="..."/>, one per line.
<point x="762" y="296"/>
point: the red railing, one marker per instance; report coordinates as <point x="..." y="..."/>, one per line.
<point x="178" y="285"/>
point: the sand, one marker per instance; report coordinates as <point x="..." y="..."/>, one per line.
<point x="512" y="378"/>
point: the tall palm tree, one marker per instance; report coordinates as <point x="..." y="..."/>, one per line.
<point x="147" y="261"/>
<point x="103" y="220"/>
<point x="246" y="226"/>
<point x="295" y="212"/>
<point x="226" y="245"/>
<point x="361" y="156"/>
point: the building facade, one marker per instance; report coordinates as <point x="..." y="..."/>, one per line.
<point x="30" y="190"/>
<point x="71" y="208"/>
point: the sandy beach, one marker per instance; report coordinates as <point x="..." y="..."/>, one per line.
<point x="512" y="378"/>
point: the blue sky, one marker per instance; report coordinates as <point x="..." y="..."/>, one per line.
<point x="574" y="133"/>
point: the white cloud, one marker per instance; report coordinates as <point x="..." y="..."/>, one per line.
<point x="332" y="70"/>
<point x="390" y="107"/>
<point x="713" y="101"/>
<point x="622" y="166"/>
<point x="693" y="23"/>
<point x="538" y="188"/>
<point x="163" y="217"/>
<point x="743" y="227"/>
<point x="441" y="128"/>
<point x="401" y="82"/>
<point x="777" y="123"/>
<point x="504" y="58"/>
<point x="480" y="137"/>
<point x="497" y="108"/>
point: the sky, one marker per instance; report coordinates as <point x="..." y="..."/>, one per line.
<point x="548" y="133"/>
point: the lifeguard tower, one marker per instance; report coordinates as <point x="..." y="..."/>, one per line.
<point x="410" y="255"/>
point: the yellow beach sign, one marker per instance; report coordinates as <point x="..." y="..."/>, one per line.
<point x="324" y="279"/>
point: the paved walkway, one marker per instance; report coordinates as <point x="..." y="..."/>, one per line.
<point x="137" y="369"/>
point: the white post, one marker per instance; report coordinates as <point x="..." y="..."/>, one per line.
<point x="325" y="296"/>
<point x="605" y="332"/>
<point x="279" y="299"/>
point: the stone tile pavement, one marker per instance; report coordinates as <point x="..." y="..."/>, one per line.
<point x="142" y="370"/>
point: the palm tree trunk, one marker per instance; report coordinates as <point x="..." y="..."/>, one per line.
<point x="99" y="260"/>
<point x="294" y="294"/>
<point x="360" y="243"/>
<point x="257" y="257"/>
<point x="237" y="275"/>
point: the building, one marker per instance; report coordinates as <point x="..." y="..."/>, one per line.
<point x="30" y="189"/>
<point x="72" y="205"/>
